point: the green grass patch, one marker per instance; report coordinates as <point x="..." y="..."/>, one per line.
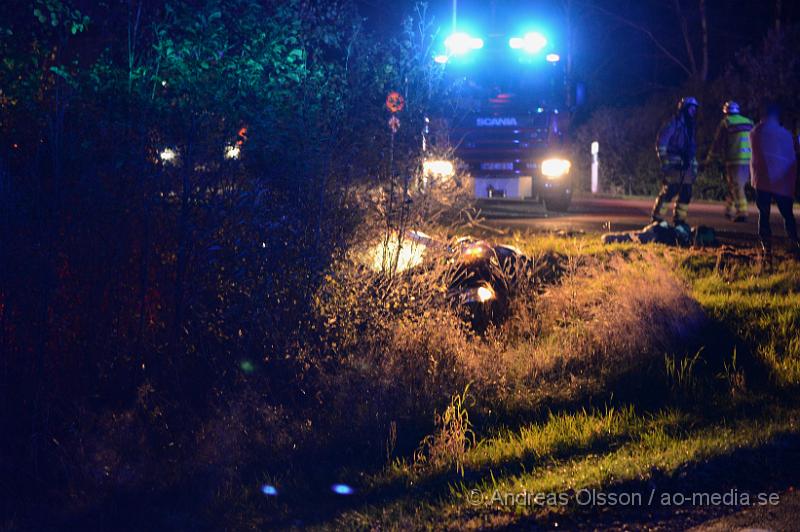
<point x="597" y="449"/>
<point x="760" y="308"/>
<point x="711" y="408"/>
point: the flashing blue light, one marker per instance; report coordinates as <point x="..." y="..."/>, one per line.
<point x="269" y="490"/>
<point x="342" y="489"/>
<point x="552" y="58"/>
<point x="531" y="43"/>
<point x="460" y="43"/>
<point x="441" y="59"/>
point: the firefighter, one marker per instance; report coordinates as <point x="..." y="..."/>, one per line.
<point x="774" y="170"/>
<point x="677" y="146"/>
<point x="733" y="139"/>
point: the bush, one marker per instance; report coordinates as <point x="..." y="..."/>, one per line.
<point x="157" y="291"/>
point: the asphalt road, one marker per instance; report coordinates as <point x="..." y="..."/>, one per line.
<point x="610" y="214"/>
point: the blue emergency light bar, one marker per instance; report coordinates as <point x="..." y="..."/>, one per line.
<point x="461" y="44"/>
<point x="531" y="43"/>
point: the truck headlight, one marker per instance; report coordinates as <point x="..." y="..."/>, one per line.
<point x="438" y="168"/>
<point x="555" y="168"/>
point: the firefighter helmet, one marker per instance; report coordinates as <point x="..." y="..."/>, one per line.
<point x="731" y="108"/>
<point x="686" y="102"/>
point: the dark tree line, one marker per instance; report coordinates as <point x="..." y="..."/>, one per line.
<point x="768" y="71"/>
<point x="174" y="179"/>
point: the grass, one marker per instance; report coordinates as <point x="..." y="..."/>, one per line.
<point x="619" y="367"/>
<point x="563" y="455"/>
<point x="703" y="399"/>
<point x="761" y="309"/>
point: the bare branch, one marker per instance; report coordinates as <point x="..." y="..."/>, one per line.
<point x="704" y="29"/>
<point x="686" y="37"/>
<point x="642" y="29"/>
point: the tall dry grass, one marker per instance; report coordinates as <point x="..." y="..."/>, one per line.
<point x="405" y="352"/>
<point x="378" y="367"/>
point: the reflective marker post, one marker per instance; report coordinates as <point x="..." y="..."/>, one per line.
<point x="595" y="151"/>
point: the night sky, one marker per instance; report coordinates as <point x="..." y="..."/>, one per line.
<point x="618" y="62"/>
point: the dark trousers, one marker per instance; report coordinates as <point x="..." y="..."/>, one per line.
<point x="669" y="191"/>
<point x="764" y="203"/>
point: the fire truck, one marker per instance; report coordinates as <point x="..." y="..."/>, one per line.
<point x="508" y="126"/>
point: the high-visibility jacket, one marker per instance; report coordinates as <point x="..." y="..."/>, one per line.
<point x="733" y="140"/>
<point x="676" y="147"/>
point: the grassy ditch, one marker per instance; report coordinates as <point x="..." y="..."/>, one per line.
<point x="619" y="368"/>
<point x="635" y="367"/>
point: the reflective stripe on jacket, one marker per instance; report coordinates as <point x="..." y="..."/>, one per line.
<point x="733" y="136"/>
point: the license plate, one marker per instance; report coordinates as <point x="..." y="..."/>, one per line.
<point x="497" y="166"/>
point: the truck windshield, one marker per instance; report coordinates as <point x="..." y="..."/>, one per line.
<point x="496" y="67"/>
<point x="496" y="70"/>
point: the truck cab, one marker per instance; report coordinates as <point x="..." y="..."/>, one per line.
<point x="514" y="152"/>
<point x="508" y="127"/>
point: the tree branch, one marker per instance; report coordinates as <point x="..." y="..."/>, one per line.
<point x="645" y="31"/>
<point x="686" y="37"/>
<point x="704" y="29"/>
